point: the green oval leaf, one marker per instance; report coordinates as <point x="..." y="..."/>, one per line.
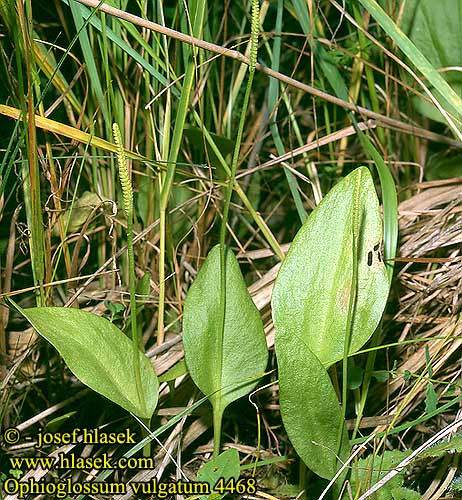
<point x="98" y="354"/>
<point x="224" y="363"/>
<point x="312" y="290"/>
<point x="309" y="407"/>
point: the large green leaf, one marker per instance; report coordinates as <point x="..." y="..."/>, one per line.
<point x="436" y="33"/>
<point x="225" y="363"/>
<point x="311" y="295"/>
<point x="309" y="407"/>
<point x="98" y="354"/>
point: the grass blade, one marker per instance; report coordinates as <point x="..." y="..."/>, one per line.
<point x="420" y="62"/>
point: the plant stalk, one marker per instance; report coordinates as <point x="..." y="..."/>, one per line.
<point x="229" y="193"/>
<point x="167" y="179"/>
<point x="127" y="192"/>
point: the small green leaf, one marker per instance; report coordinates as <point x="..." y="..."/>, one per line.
<point x="177" y="370"/>
<point x="312" y="289"/>
<point x="98" y="354"/>
<point x="431" y="398"/>
<point x="226" y="465"/>
<point x="143" y="287"/>
<point x="56" y="423"/>
<point x="16" y="473"/>
<point x="456" y="485"/>
<point x="115" y="308"/>
<point x="453" y="445"/>
<point x="73" y="219"/>
<point x="309" y="407"/>
<point x="373" y="468"/>
<point x="402" y="493"/>
<point x="380" y="375"/>
<point x="355" y="377"/>
<point x="225" y="362"/>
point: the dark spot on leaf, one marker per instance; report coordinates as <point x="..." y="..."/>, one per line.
<point x="376" y="247"/>
<point x="369" y="258"/>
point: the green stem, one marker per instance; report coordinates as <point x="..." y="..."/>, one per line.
<point x="127" y="192"/>
<point x="356" y="220"/>
<point x="217" y="420"/>
<point x="302" y="470"/>
<point x="31" y="175"/>
<point x="161" y="308"/>
<point x="390" y="235"/>
<point x="273" y="243"/>
<point x="229" y="193"/>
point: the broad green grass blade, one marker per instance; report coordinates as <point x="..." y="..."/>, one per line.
<point x="389" y="200"/>
<point x="89" y="57"/>
<point x="417" y="58"/>
<point x="436" y="32"/>
<point x="96" y="23"/>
